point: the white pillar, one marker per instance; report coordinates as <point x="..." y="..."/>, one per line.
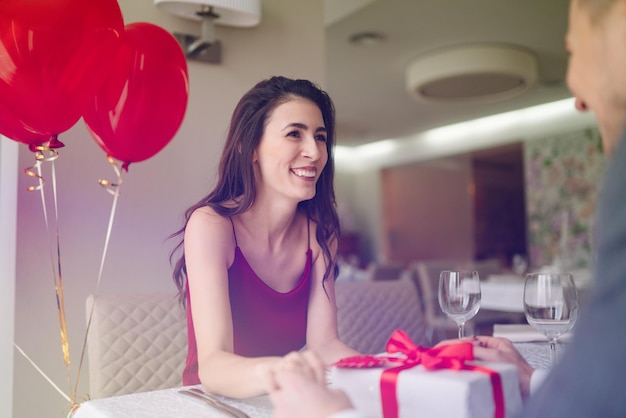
<point x="8" y="224"/>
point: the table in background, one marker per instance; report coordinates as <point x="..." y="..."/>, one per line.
<point x="505" y="292"/>
<point x="502" y="293"/>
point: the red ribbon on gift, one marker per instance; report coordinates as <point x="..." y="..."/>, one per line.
<point x="450" y="356"/>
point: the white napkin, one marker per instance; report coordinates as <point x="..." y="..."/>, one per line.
<point x="521" y="333"/>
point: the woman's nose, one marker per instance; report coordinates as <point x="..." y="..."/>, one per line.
<point x="310" y="148"/>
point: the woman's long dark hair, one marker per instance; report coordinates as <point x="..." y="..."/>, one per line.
<point x="236" y="174"/>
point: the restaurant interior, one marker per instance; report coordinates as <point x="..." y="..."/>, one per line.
<point x="465" y="167"/>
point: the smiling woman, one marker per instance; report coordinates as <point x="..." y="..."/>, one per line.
<point x="257" y="266"/>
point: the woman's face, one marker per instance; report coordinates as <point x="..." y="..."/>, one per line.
<point x="292" y="152"/>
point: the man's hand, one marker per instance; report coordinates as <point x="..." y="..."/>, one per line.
<point x="499" y="350"/>
<point x="297" y="388"/>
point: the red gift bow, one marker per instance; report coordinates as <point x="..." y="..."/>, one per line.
<point x="450" y="356"/>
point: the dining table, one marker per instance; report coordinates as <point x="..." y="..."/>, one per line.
<point x="169" y="403"/>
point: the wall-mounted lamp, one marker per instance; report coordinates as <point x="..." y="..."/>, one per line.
<point x="240" y="13"/>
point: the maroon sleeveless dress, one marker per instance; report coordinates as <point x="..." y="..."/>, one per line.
<point x="265" y="322"/>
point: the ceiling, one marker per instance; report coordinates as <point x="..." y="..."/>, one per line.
<point x="367" y="82"/>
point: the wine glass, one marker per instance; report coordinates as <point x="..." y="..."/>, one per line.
<point x="551" y="305"/>
<point x="459" y="296"/>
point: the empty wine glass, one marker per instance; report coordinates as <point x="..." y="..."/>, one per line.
<point x="551" y="305"/>
<point x="459" y="296"/>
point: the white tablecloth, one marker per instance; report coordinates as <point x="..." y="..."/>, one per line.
<point x="167" y="403"/>
<point x="537" y="354"/>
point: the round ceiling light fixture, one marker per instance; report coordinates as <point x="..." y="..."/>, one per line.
<point x="472" y="73"/>
<point x="367" y="39"/>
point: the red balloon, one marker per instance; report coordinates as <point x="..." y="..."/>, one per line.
<point x="54" y="54"/>
<point x="141" y="105"/>
<point x="13" y="128"/>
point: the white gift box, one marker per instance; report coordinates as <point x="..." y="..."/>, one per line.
<point x="440" y="393"/>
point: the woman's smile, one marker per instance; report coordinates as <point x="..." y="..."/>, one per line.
<point x="308" y="173"/>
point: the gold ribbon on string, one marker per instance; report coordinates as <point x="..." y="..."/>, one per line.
<point x="73" y="409"/>
<point x="112" y="188"/>
<point x="41" y="157"/>
<point x="49" y="154"/>
<point x="109" y="186"/>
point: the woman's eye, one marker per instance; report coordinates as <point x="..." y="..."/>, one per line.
<point x="294" y="134"/>
<point x="321" y="138"/>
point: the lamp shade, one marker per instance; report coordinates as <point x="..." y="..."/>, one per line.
<point x="241" y="13"/>
<point x="471" y="73"/>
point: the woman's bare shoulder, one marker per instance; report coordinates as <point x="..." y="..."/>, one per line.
<point x="209" y="235"/>
<point x="207" y="219"/>
<point x="207" y="212"/>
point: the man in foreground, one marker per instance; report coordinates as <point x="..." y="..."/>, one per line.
<point x="589" y="379"/>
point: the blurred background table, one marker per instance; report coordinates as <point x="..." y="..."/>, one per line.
<point x="502" y="293"/>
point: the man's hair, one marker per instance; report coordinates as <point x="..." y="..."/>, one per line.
<point x="597" y="9"/>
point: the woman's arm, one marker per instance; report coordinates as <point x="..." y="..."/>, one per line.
<point x="209" y="251"/>
<point x="322" y="336"/>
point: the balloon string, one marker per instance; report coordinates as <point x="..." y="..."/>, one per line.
<point x="40" y="157"/>
<point x="58" y="280"/>
<point x="113" y="189"/>
<point x="41" y="372"/>
<point x="60" y="293"/>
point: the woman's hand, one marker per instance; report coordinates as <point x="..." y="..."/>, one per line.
<point x="297" y="387"/>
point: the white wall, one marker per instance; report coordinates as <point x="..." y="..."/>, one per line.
<point x="8" y="216"/>
<point x="358" y="169"/>
<point x="154" y="194"/>
<point x="360" y="194"/>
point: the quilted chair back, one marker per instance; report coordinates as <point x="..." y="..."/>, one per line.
<point x="369" y="311"/>
<point x="384" y="271"/>
<point x="136" y="343"/>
